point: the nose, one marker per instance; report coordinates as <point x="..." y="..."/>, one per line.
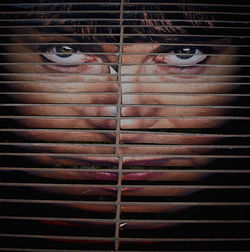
<point x="135" y="112"/>
<point x="102" y="106"/>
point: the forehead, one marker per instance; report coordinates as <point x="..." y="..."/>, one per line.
<point x="139" y="47"/>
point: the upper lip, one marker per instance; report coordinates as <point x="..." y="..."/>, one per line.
<point x="128" y="164"/>
<point x="126" y="176"/>
<point x="145" y="161"/>
<point x="140" y="175"/>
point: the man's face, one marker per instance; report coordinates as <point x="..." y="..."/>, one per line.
<point x="106" y="95"/>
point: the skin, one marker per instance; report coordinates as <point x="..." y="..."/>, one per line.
<point x="171" y="86"/>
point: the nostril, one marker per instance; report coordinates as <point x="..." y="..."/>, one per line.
<point x="133" y="107"/>
<point x="112" y="70"/>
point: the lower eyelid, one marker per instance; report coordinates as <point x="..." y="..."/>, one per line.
<point x="202" y="61"/>
<point x="192" y="69"/>
<point x="67" y="68"/>
<point x="160" y="60"/>
<point x="84" y="68"/>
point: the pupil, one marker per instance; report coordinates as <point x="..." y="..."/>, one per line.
<point x="64" y="49"/>
<point x="183" y="51"/>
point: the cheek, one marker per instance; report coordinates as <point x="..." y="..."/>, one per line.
<point x="100" y="69"/>
<point x="88" y="69"/>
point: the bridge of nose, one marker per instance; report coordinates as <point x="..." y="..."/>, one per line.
<point x="132" y="84"/>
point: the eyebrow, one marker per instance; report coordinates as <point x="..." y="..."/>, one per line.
<point x="137" y="37"/>
<point x="187" y="35"/>
<point x="176" y="40"/>
<point x="83" y="41"/>
<point x="81" y="37"/>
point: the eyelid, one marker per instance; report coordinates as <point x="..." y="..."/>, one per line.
<point x="195" y="60"/>
<point x="79" y="47"/>
<point x="169" y="49"/>
<point x="47" y="48"/>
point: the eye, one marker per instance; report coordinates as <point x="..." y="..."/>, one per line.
<point x="183" y="57"/>
<point x="66" y="55"/>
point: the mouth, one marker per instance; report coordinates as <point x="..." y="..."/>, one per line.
<point x="134" y="176"/>
<point x="128" y="161"/>
<point x="127" y="176"/>
<point x="139" y="176"/>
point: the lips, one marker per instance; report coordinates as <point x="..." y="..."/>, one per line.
<point x="134" y="176"/>
<point x="127" y="176"/>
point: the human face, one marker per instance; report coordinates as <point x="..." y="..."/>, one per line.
<point x="96" y="97"/>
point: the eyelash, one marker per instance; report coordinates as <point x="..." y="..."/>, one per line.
<point x="168" y="51"/>
<point x="46" y="49"/>
<point x="73" y="59"/>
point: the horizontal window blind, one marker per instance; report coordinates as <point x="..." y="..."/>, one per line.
<point x="124" y="125"/>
